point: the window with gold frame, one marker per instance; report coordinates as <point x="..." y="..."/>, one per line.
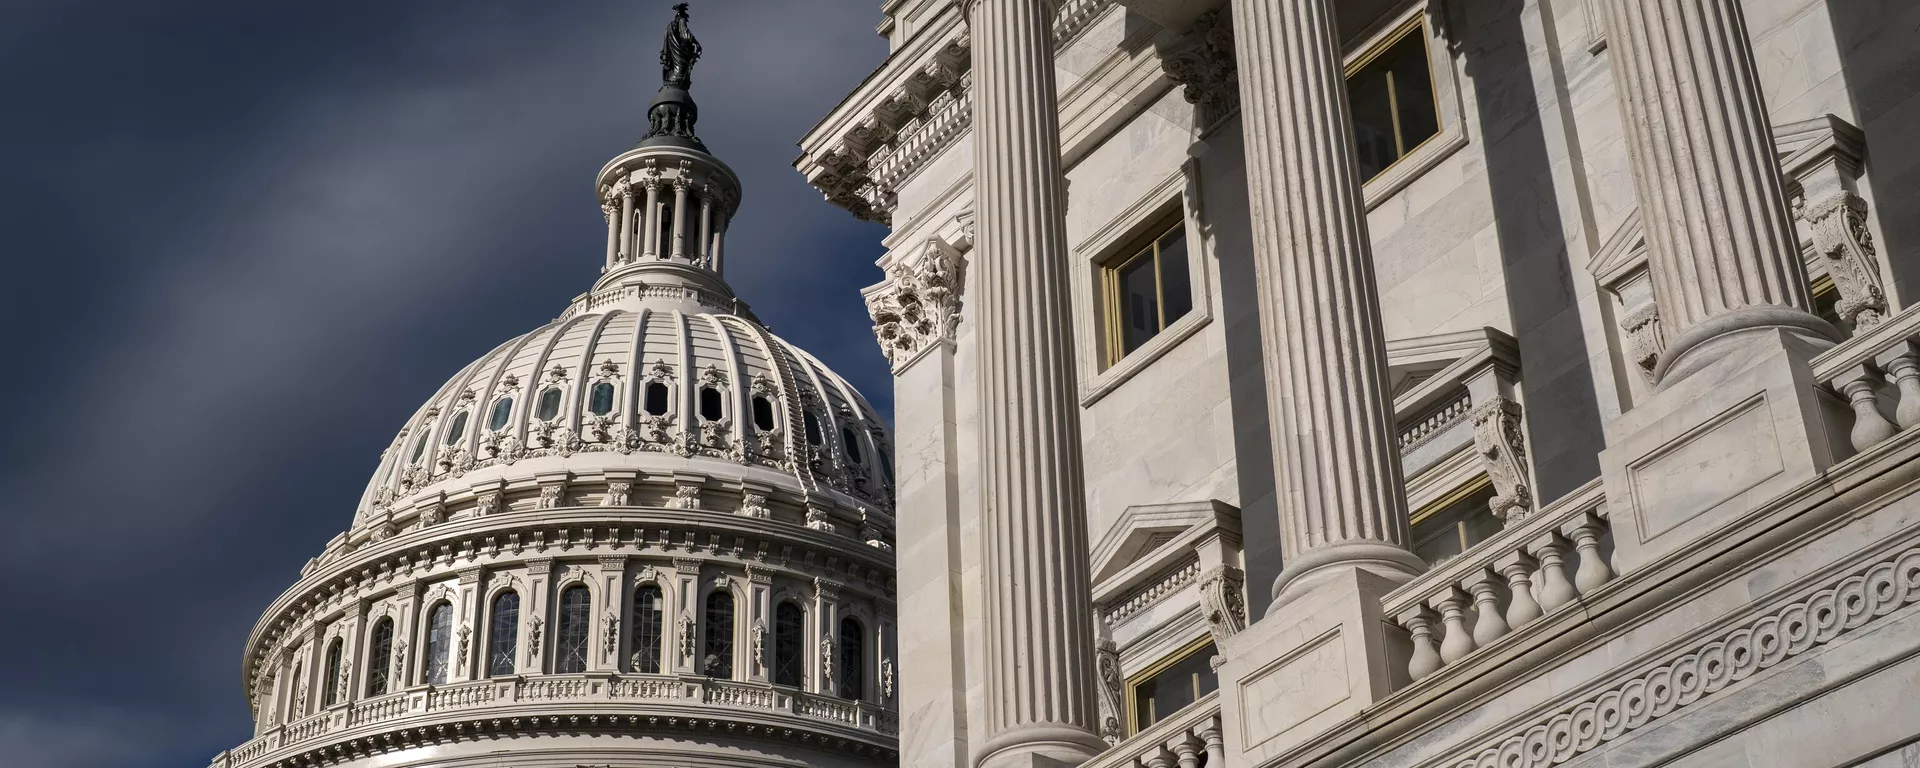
<point x="1170" y="685"/>
<point x="1391" y="92"/>
<point x="1451" y="525"/>
<point x="1146" y="287"/>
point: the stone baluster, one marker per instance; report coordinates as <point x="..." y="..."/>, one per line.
<point x="1518" y="568"/>
<point x="1902" y="364"/>
<point x="1720" y="241"/>
<point x="1555" y="589"/>
<point x="1323" y="353"/>
<point x="1186" y="750"/>
<point x="1159" y="757"/>
<point x="680" y="185"/>
<point x="1455" y="641"/>
<point x="1425" y="659"/>
<point x="650" y="228"/>
<point x="1037" y="603"/>
<point x="1488" y="624"/>
<point x="1209" y="733"/>
<point x="1593" y="571"/>
<point x="1860" y="386"/>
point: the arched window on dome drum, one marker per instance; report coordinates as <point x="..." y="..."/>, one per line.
<point x="458" y="429"/>
<point x="549" y="404"/>
<point x="293" y="701"/>
<point x="812" y="425"/>
<point x="646" y="629"/>
<point x="851" y="444"/>
<point x="886" y="464"/>
<point x="762" y="413"/>
<point x="665" y="235"/>
<point x="656" y="403"/>
<point x="420" y="444"/>
<point x="600" y="401"/>
<point x="712" y="406"/>
<point x="380" y="657"/>
<point x="851" y="652"/>
<point x="439" y="644"/>
<point x="503" y="633"/>
<point x="331" y="695"/>
<point x="789" y="645"/>
<point x="502" y="411"/>
<point x="717" y="658"/>
<point x="576" y="622"/>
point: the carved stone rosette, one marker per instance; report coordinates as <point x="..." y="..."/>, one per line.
<point x="1223" y="601"/>
<point x="1202" y="61"/>
<point x="1838" y="224"/>
<point x="919" y="304"/>
<point x="1498" y="437"/>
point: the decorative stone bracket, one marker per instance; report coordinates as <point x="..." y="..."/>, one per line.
<point x="1202" y="61"/>
<point x="918" y="305"/>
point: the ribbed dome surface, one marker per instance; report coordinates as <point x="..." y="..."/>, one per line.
<point x="647" y="390"/>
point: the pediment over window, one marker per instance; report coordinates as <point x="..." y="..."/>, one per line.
<point x="1148" y="534"/>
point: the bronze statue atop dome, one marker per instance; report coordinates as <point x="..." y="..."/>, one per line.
<point x="671" y="116"/>
<point x="679" y="51"/>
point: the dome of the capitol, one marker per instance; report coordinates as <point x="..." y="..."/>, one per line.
<point x="648" y="532"/>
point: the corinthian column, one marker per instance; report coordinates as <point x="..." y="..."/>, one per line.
<point x="1038" y="608"/>
<point x="1720" y="243"/>
<point x="1336" y="462"/>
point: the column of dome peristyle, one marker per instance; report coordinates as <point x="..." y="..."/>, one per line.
<point x="1337" y="463"/>
<point x="639" y="188"/>
<point x="1720" y="241"/>
<point x="1040" y="704"/>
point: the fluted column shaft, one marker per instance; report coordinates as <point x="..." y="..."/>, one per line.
<point x="650" y="229"/>
<point x="626" y="224"/>
<point x="1336" y="459"/>
<point x="1038" y="607"/>
<point x="678" y="248"/>
<point x="1719" y="237"/>
<point x="702" y="247"/>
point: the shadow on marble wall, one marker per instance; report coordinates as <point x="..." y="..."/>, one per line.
<point x="1879" y="44"/>
<point x="1562" y="409"/>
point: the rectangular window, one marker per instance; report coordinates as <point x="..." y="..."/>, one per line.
<point x="1146" y="290"/>
<point x="1390" y="89"/>
<point x="1453" y="525"/>
<point x="1170" y="686"/>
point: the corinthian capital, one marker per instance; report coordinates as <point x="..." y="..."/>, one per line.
<point x="919" y="303"/>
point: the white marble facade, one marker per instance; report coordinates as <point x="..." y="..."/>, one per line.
<point x="1703" y="560"/>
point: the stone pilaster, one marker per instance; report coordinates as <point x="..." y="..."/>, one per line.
<point x="1039" y="654"/>
<point x="1337" y="463"/>
<point x="1720" y="242"/>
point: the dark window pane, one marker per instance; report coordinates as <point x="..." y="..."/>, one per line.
<point x="380" y="657"/>
<point x="712" y="406"/>
<point x="503" y="633"/>
<point x="1176" y="686"/>
<point x="717" y="660"/>
<point x="789" y="645"/>
<point x="656" y="398"/>
<point x="762" y="414"/>
<point x="851" y="443"/>
<point x="812" y="427"/>
<point x="458" y="429"/>
<point x="601" y="400"/>
<point x="420" y="444"/>
<point x="1175" y="290"/>
<point x="1139" y="303"/>
<point x="439" y="643"/>
<point x="576" y="623"/>
<point x="1443" y="535"/>
<point x="664" y="237"/>
<point x="646" y="629"/>
<point x="1392" y="101"/>
<point x="549" y="404"/>
<point x="886" y="465"/>
<point x="502" y="410"/>
<point x="1412" y="90"/>
<point x="852" y="652"/>
<point x="331" y="695"/>
<point x="1372" y="105"/>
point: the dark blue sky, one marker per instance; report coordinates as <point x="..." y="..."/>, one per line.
<point x="244" y="240"/>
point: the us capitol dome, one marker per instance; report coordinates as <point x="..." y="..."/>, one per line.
<point x="648" y="533"/>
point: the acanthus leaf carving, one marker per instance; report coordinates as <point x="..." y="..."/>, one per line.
<point x="1498" y="436"/>
<point x="1838" y="224"/>
<point x="919" y="304"/>
<point x="1223" y="602"/>
<point x="1203" y="62"/>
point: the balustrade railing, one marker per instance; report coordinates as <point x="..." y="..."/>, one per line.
<point x="462" y="695"/>
<point x="1534" y="568"/>
<point x="731" y="694"/>
<point x="378" y="709"/>
<point x="1877" y="373"/>
<point x="312" y="727"/>
<point x="1179" y="741"/>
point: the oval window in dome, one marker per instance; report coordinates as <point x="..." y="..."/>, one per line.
<point x="420" y="444"/>
<point x="549" y="404"/>
<point x="656" y="398"/>
<point x="601" y="400"/>
<point x="458" y="429"/>
<point x="502" y="410"/>
<point x="762" y="413"/>
<point x="851" y="444"/>
<point x="712" y="407"/>
<point x="812" y="425"/>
